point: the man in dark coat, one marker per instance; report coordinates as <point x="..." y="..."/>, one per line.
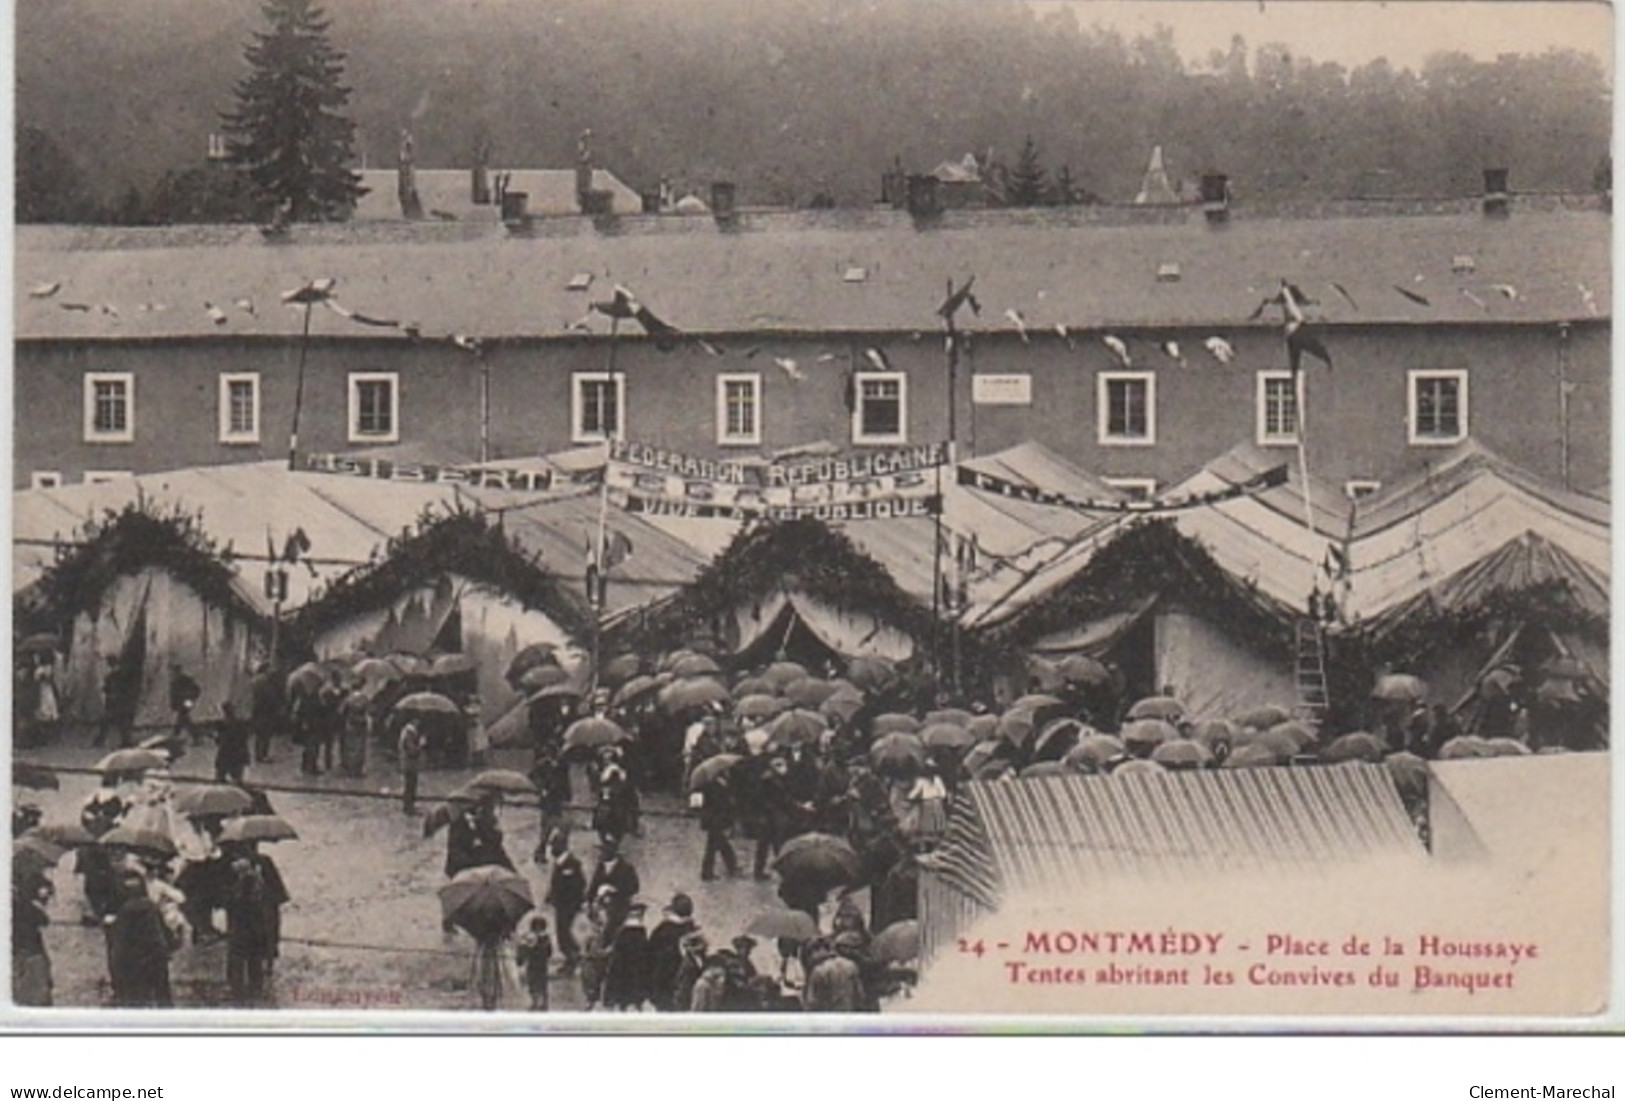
<point x="566" y="893"/>
<point x="626" y="978"/>
<point x="666" y="952"/>
<point x="265" y="710"/>
<point x="183" y="696"/>
<point x="717" y="814"/>
<point x="777" y="810"/>
<point x="138" y="949"/>
<point x="231" y="746"/>
<point x="475" y="839"/>
<point x="616" y="871"/>
<point x="247" y="932"/>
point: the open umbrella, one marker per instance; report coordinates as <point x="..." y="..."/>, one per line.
<point x="594" y="731"/>
<point x="1358" y="746"/>
<point x="1149" y="732"/>
<point x="870" y="673"/>
<point x="1082" y="669"/>
<point x="1181" y="753"/>
<point x="1056" y="737"/>
<point x="1138" y="768"/>
<point x="958" y="716"/>
<point x="684" y="695"/>
<point x="1400" y="687"/>
<point x="945" y="735"/>
<point x="1506" y="747"/>
<point x="754" y="686"/>
<point x="34" y="777"/>
<point x="377" y="671"/>
<point x="892" y="723"/>
<point x="1096" y="749"/>
<point x="139" y="838"/>
<point x="695" y="665"/>
<point x="556" y="692"/>
<point x="783" y="925"/>
<point x="1165" y="708"/>
<point x="1467" y="745"/>
<point x="309" y="677"/>
<point x="621" y="668"/>
<point x="1410" y="773"/>
<point x="209" y="800"/>
<point x="1045" y="768"/>
<point x="983" y="727"/>
<point x="635" y="689"/>
<point x="897" y="750"/>
<point x="452" y="665"/>
<point x="808" y="691"/>
<point x="1037" y="701"/>
<point x="979" y="755"/>
<point x="131" y="760"/>
<point x="1301" y="733"/>
<point x="710" y="768"/>
<point x="410" y="665"/>
<point x="1262" y="718"/>
<point x="781" y="673"/>
<point x="797" y="727"/>
<point x="1212" y="732"/>
<point x="534" y="656"/>
<point x="1253" y="756"/>
<point x="68" y="834"/>
<point x="539" y="677"/>
<point x="487" y="901"/>
<point x="757" y="707"/>
<point x="39" y="644"/>
<point x="818" y="860"/>
<point x="898" y="942"/>
<point x="841" y="706"/>
<point x="673" y="657"/>
<point x="504" y="780"/>
<point x="1277" y="741"/>
<point x="258" y="827"/>
<point x="426" y="703"/>
<point x="1016" y="726"/>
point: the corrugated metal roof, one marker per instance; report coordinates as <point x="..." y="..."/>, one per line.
<point x="1062" y="834"/>
<point x="348" y="520"/>
<point x="785" y="274"/>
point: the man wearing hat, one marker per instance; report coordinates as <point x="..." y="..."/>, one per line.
<point x="566" y="893"/>
<point x="666" y="952"/>
<point x="137" y="948"/>
<point x="614" y="870"/>
<point x="626" y="978"/>
<point x="717" y="812"/>
<point x="533" y="950"/>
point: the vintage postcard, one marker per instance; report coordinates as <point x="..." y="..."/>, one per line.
<point x="613" y="515"/>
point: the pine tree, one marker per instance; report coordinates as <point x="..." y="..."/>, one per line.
<point x="287" y="131"/>
<point x="1026" y="178"/>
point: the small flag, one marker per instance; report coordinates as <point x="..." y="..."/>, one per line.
<point x="296" y="546"/>
<point x="244" y="304"/>
<point x="468" y="343"/>
<point x="1170" y="348"/>
<point x="958" y="298"/>
<point x="625" y="305"/>
<point x="317" y="290"/>
<point x="1420" y="300"/>
<point x="1347" y="297"/>
<point x="1118" y="349"/>
<point x="708" y="348"/>
<point x="789" y="367"/>
<point x="1299" y="340"/>
<point x="1474" y="299"/>
<point x="878" y="359"/>
<point x="1505" y="290"/>
<point x="1220" y="347"/>
<point x="1020" y="322"/>
<point x="216" y="314"/>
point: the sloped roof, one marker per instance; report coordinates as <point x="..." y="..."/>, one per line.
<point x="1420" y="535"/>
<point x="348" y="521"/>
<point x="450" y="191"/>
<point x="784" y="273"/>
<point x="1056" y="835"/>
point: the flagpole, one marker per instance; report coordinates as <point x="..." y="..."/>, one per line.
<point x="1302" y="382"/>
<point x="598" y="583"/>
<point x="299" y="392"/>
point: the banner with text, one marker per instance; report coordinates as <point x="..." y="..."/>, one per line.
<point x="390" y="470"/>
<point x="990" y="483"/>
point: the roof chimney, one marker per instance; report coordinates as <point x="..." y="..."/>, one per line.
<point x="1497" y="197"/>
<point x="480" y="180"/>
<point x="583" y="169"/>
<point x="1216" y="197"/>
<point x="406" y="188"/>
<point x="924" y="197"/>
<point x="723" y="193"/>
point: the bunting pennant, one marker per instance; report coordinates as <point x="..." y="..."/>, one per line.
<point x="625" y="306"/>
<point x="990" y="483"/>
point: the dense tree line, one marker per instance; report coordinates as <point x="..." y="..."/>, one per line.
<point x="794" y="98"/>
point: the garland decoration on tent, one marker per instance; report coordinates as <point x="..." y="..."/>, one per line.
<point x="459" y="541"/>
<point x="783" y="556"/>
<point x="126" y="541"/>
<point x="1154" y="558"/>
<point x="1550" y="604"/>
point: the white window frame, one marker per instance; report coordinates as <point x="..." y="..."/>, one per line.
<point x="44" y="479"/>
<point x="739" y="439"/>
<point x="578" y="405"/>
<point x="1138" y="489"/>
<point x="1412" y="378"/>
<point x="125" y="435"/>
<point x="859" y="436"/>
<point x="353" y="426"/>
<point x="102" y="477"/>
<point x="1265" y="437"/>
<point x="227" y="380"/>
<point x="1356" y="489"/>
<point x="1103" y="383"/>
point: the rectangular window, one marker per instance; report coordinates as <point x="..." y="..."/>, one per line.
<point x="101" y="477"/>
<point x="1135" y="489"/>
<point x="879" y="408"/>
<point x="1278" y="394"/>
<point x="1438" y="407"/>
<point x="597" y="406"/>
<point x="375" y="407"/>
<point x="1126" y="405"/>
<point x="109" y="408"/>
<point x="739" y="409"/>
<point x="240" y="408"/>
<point x="44" y="479"/>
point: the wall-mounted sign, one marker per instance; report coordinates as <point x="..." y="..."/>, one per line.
<point x="1002" y="389"/>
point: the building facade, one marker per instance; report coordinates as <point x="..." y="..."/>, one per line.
<point x="1132" y="345"/>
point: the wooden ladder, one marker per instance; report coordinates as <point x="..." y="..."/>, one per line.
<point x="1311" y="670"/>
